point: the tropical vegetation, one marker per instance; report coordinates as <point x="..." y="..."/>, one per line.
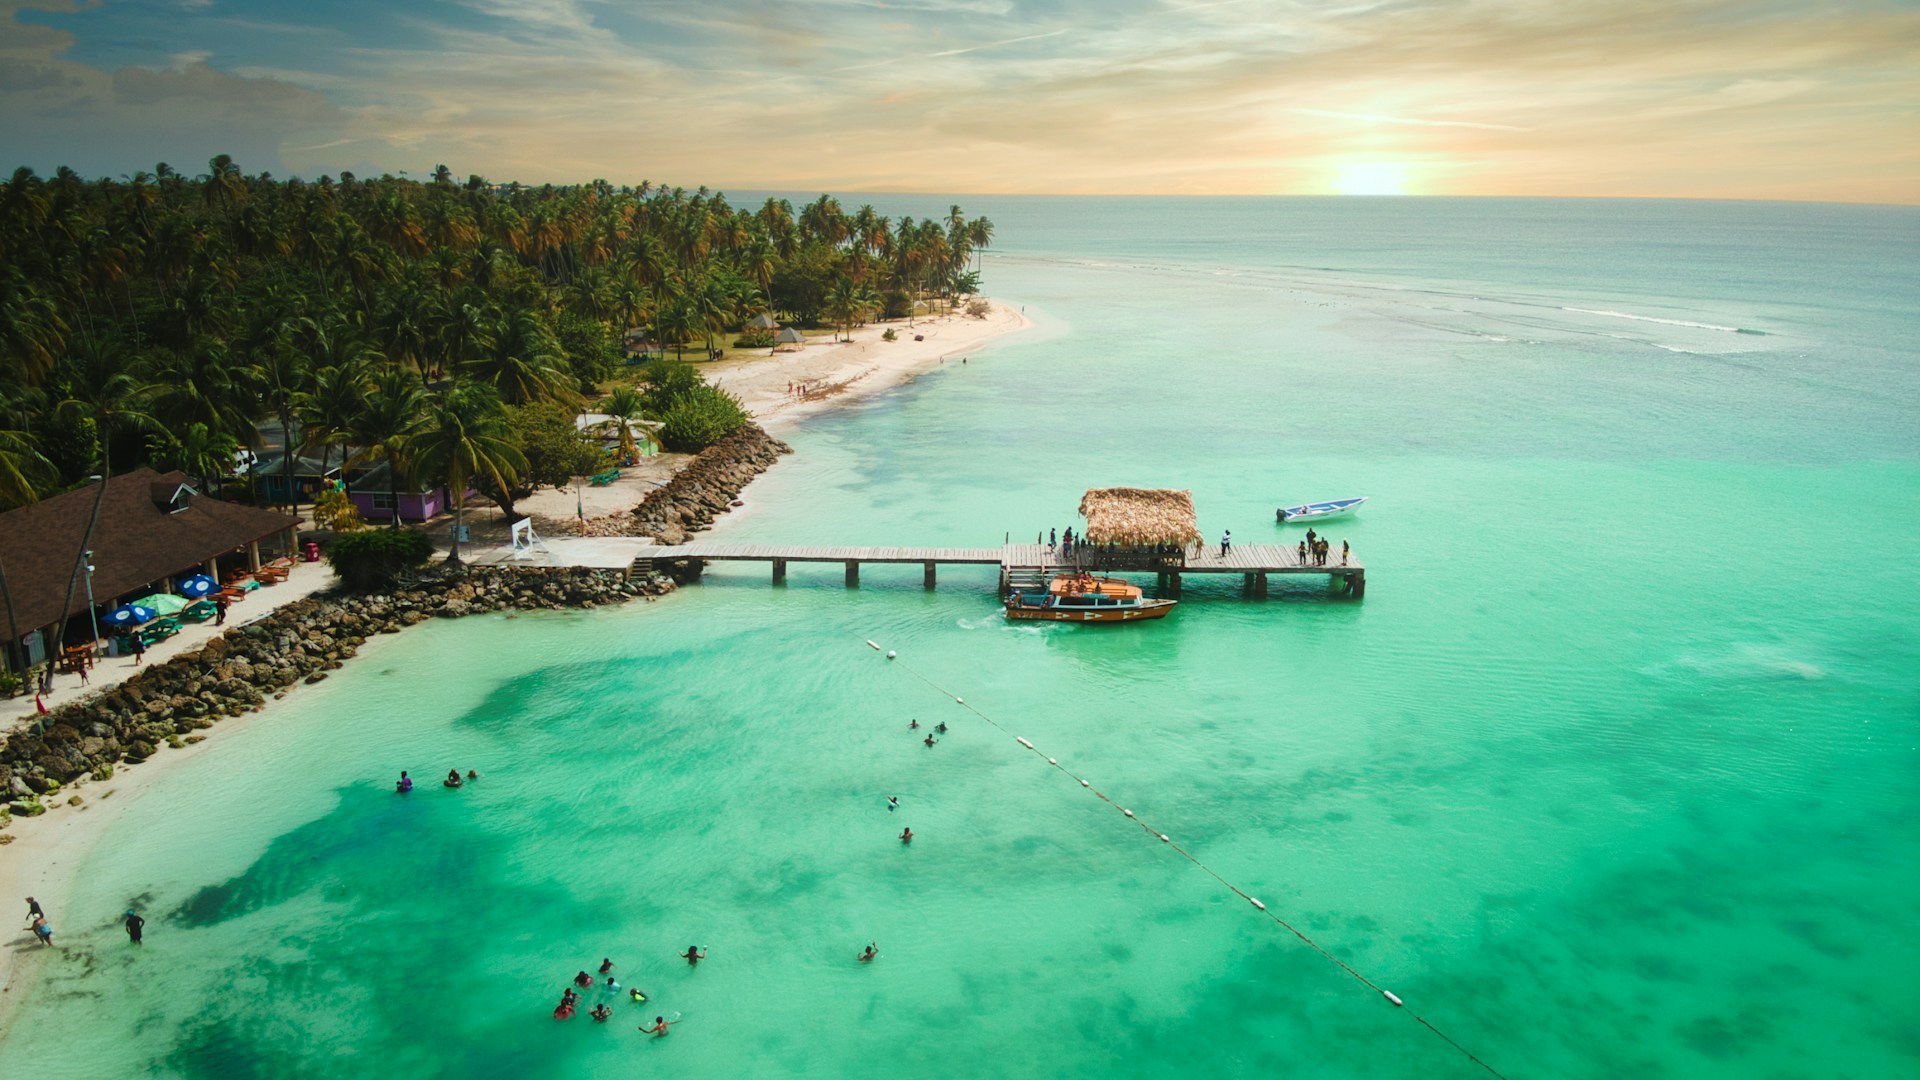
<point x="163" y="319"/>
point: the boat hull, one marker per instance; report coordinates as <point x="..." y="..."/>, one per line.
<point x="1319" y="511"/>
<point x="1148" y="609"/>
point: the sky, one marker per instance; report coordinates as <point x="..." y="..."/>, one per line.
<point x="1739" y="99"/>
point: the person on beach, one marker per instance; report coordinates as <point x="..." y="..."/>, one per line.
<point x="659" y="1028"/>
<point x="135" y="926"/>
<point x="583" y="980"/>
<point x="43" y="930"/>
<point x="606" y="965"/>
<point x="139" y="648"/>
<point x="694" y="955"/>
<point x="872" y="951"/>
<point x="893" y="803"/>
<point x="453" y="778"/>
<point x="404" y="784"/>
<point x="906" y="836"/>
<point x="220" y="611"/>
<point x="33" y="910"/>
<point x="600" y="1013"/>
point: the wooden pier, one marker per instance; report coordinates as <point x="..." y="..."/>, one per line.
<point x="1024" y="565"/>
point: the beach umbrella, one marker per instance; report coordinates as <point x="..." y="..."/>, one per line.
<point x="199" y="586"/>
<point x="162" y="603"/>
<point x="130" y="615"/>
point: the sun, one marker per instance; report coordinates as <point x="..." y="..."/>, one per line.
<point x="1371" y="178"/>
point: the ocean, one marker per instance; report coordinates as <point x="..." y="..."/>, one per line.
<point x="1612" y="773"/>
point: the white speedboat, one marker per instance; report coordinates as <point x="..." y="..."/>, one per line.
<point x="1319" y="511"/>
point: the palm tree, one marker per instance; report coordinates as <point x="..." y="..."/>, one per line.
<point x="625" y="406"/>
<point x="465" y="440"/>
<point x="31" y="330"/>
<point x="394" y="405"/>
<point x="329" y="407"/>
<point x="523" y="363"/>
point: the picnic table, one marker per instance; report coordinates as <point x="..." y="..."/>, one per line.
<point x="605" y="478"/>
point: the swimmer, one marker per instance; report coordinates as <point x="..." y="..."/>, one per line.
<point x="568" y="997"/>
<point x="659" y="1028"/>
<point x="912" y="725"/>
<point x="610" y="986"/>
<point x="606" y="965"/>
<point x="583" y="980"/>
<point x="893" y="803"/>
<point x="694" y="955"/>
<point x="404" y="784"/>
<point x="471" y="775"/>
<point x="872" y="951"/>
<point x="636" y="995"/>
<point x="135" y="926"/>
<point x="600" y="1013"/>
<point x="453" y="778"/>
<point x="941" y="727"/>
<point x="906" y="836"/>
<point x="929" y="740"/>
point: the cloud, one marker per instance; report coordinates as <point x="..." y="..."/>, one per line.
<point x="1641" y="97"/>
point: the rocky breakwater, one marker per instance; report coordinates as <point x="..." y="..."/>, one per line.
<point x="168" y="704"/>
<point x="708" y="486"/>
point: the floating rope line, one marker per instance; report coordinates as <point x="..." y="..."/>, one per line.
<point x="1190" y="857"/>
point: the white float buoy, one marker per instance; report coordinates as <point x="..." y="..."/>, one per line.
<point x="1256" y="903"/>
<point x="891" y="654"/>
<point x="1050" y="761"/>
<point x="1164" y="840"/>
<point x="1023" y="742"/>
<point x="1126" y="811"/>
<point x="1083" y="783"/>
<point x="1395" y="998"/>
<point x="959" y="701"/>
<point x="876" y="648"/>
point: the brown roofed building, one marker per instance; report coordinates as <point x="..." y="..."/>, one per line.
<point x="153" y="528"/>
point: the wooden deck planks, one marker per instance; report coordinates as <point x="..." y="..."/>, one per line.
<point x="1240" y="559"/>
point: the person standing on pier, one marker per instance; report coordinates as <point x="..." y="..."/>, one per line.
<point x="1053" y="540"/>
<point x="1344" y="552"/>
<point x="1226" y="541"/>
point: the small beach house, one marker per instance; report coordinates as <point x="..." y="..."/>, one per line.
<point x="374" y="494"/>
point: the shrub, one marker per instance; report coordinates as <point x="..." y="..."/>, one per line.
<point x="333" y="509"/>
<point x="754" y="339"/>
<point x="372" y="558"/>
<point x="699" y="417"/>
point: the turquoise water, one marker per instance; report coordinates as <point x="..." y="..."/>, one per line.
<point x="1612" y="773"/>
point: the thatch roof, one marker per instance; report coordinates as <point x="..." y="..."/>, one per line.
<point x="790" y="336"/>
<point x="1139" y="516"/>
<point x="151" y="528"/>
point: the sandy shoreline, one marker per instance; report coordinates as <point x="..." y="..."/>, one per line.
<point x="47" y="851"/>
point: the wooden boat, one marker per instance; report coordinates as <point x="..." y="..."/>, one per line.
<point x="1319" y="511"/>
<point x="1085" y="598"/>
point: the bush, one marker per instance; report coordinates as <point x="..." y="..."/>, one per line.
<point x="372" y="558"/>
<point x="700" y="416"/>
<point x="754" y="339"/>
<point x="334" y="510"/>
<point x="889" y="335"/>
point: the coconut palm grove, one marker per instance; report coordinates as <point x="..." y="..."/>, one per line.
<point x="447" y="328"/>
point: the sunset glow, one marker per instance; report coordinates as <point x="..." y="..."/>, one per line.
<point x="1685" y="98"/>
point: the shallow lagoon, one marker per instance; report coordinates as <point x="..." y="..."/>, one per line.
<point x="1598" y="777"/>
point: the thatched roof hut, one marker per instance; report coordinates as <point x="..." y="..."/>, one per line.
<point x="1137" y="516"/>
